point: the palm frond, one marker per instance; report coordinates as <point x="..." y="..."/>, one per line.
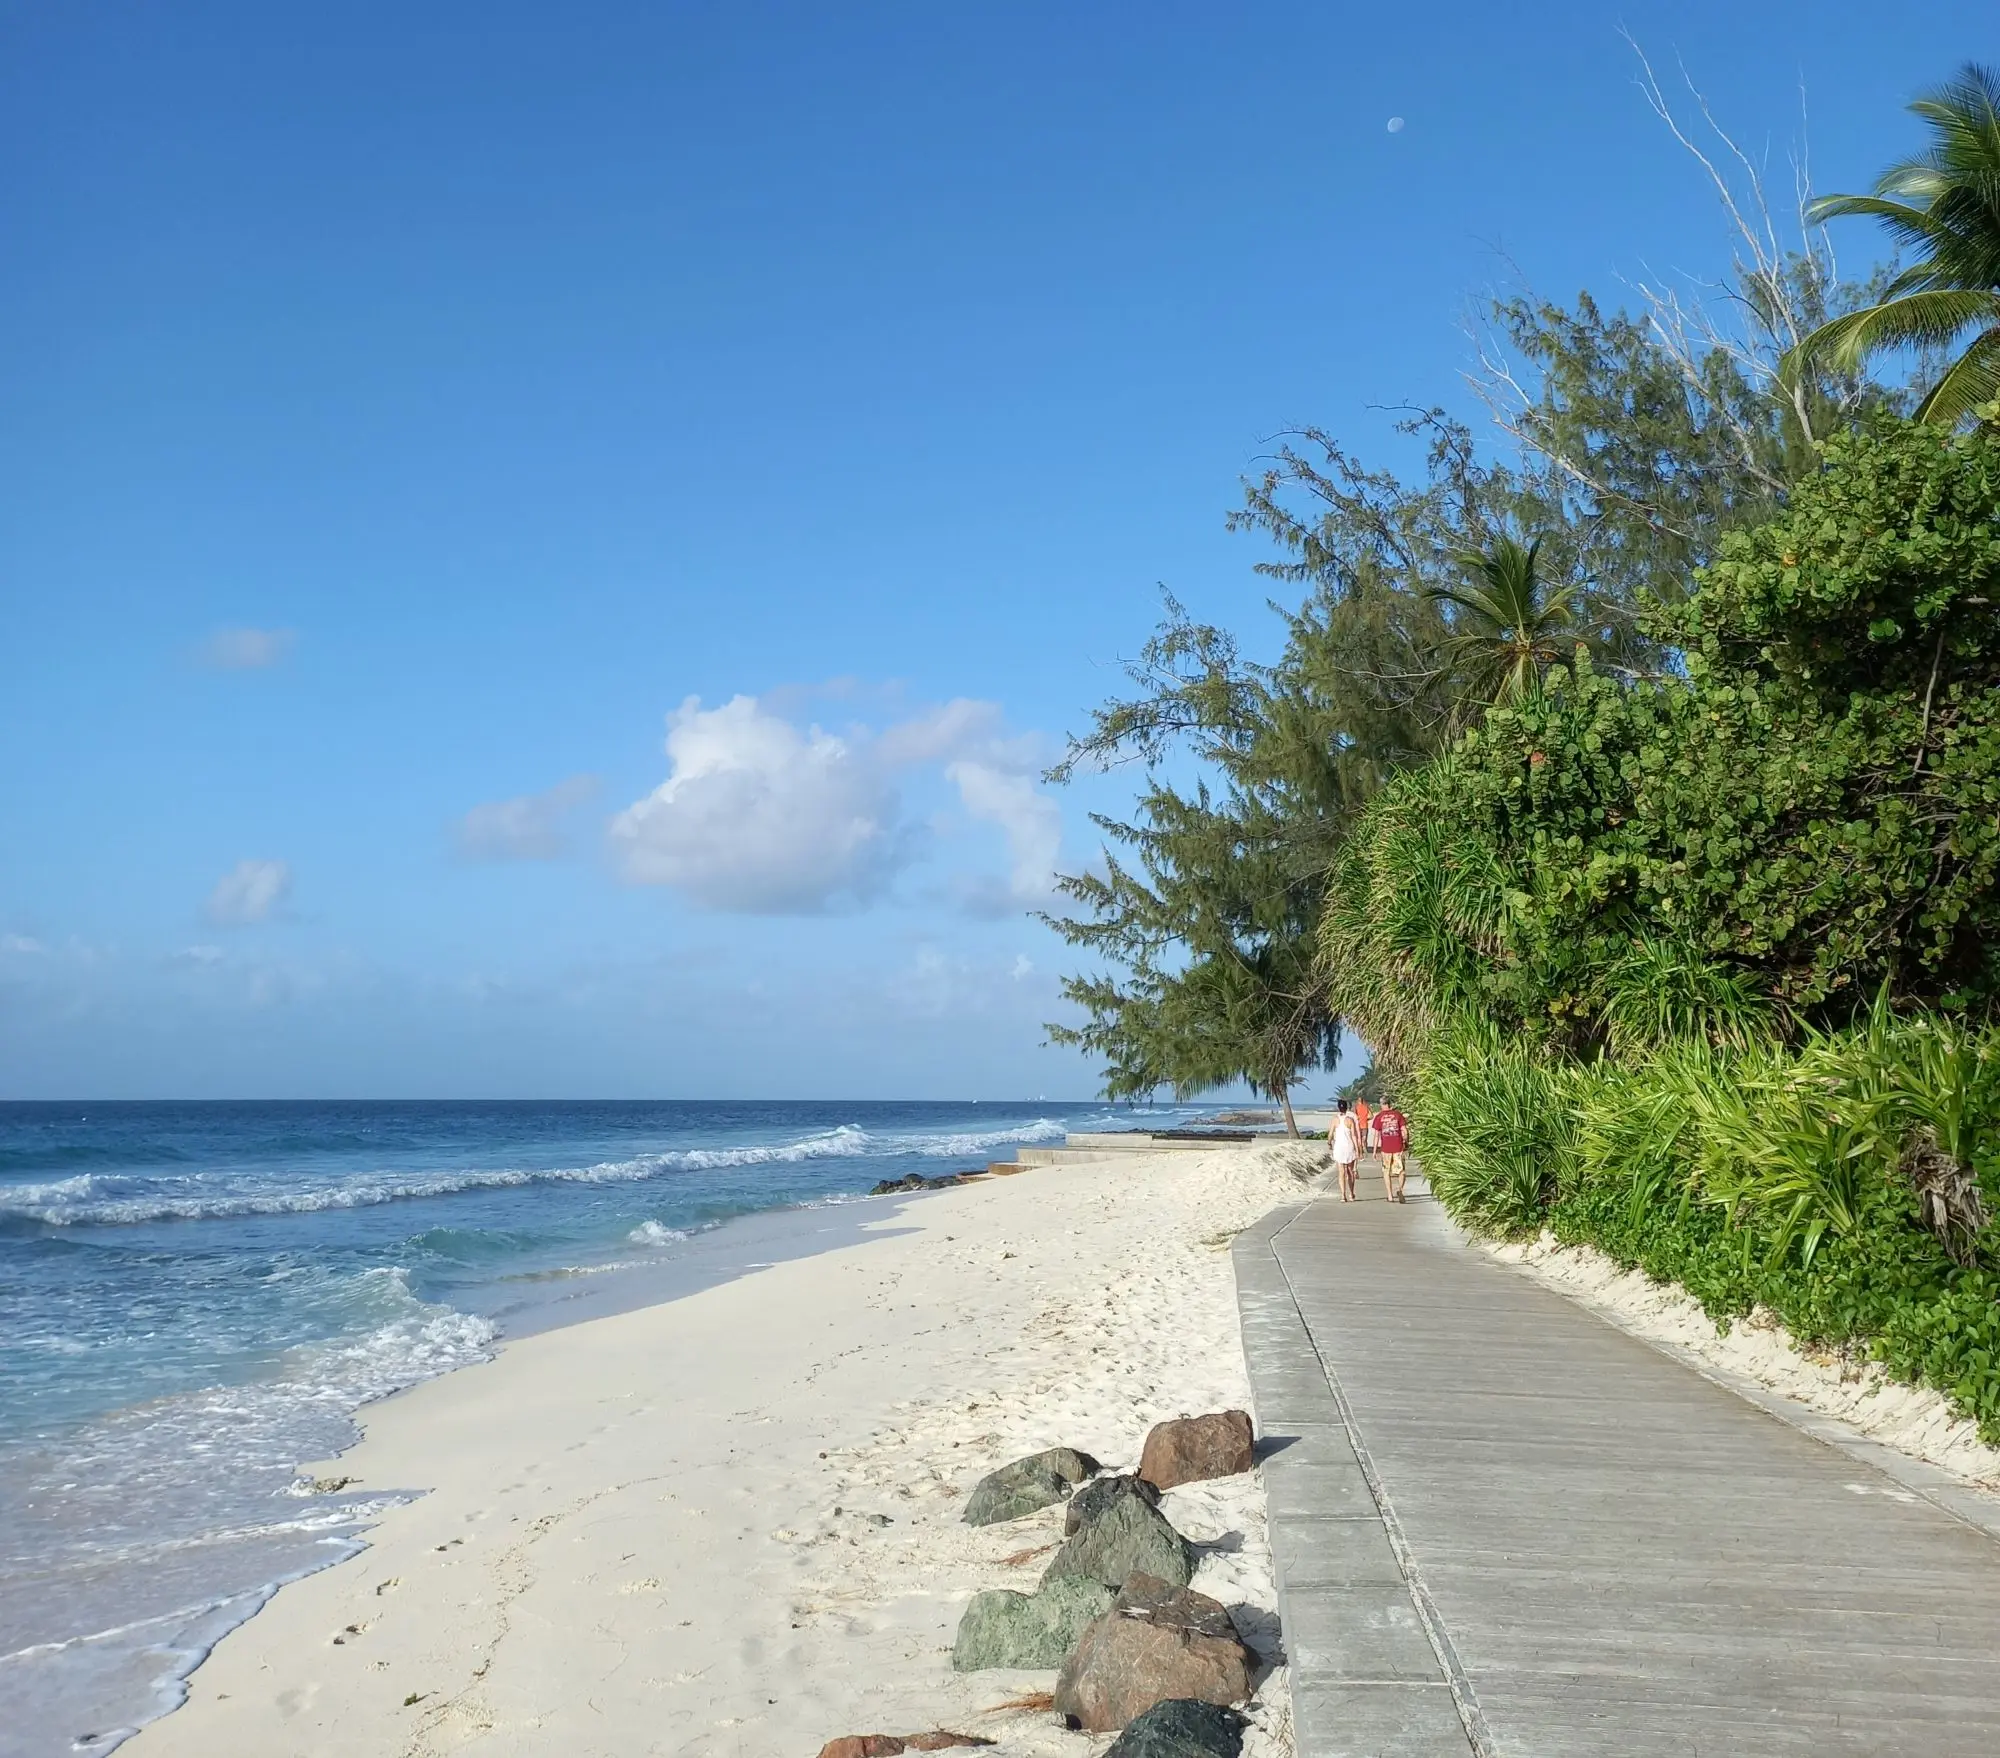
<point x="1943" y="204"/>
<point x="1916" y="319"/>
<point x="1971" y="381"/>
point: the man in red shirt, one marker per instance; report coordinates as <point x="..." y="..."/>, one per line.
<point x="1392" y="1128"/>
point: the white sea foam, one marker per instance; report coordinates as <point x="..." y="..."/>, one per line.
<point x="653" y="1233"/>
<point x="147" y="1520"/>
<point x="106" y="1199"/>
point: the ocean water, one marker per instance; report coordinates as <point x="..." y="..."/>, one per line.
<point x="195" y="1298"/>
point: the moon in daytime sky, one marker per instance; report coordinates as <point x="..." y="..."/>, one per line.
<point x="1395" y="125"/>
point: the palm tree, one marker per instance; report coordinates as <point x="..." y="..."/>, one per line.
<point x="1943" y="204"/>
<point x="1508" y="624"/>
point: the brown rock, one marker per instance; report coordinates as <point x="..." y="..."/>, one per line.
<point x="1158" y="1642"/>
<point x="1197" y="1447"/>
<point x="889" y="1745"/>
<point x="1180" y="1608"/>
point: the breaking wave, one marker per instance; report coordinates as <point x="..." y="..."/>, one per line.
<point x="113" y="1199"/>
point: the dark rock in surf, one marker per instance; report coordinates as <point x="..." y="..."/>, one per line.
<point x="914" y="1181"/>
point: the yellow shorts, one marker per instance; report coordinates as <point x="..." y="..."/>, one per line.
<point x="1396" y="1164"/>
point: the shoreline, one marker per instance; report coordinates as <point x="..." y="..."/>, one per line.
<point x="830" y="1405"/>
<point x="345" y="1514"/>
<point x="738" y="1245"/>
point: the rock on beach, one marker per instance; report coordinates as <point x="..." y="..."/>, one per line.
<point x="1091" y="1500"/>
<point x="1039" y="1481"/>
<point x="1159" y="1641"/>
<point x="890" y="1745"/>
<point x="1004" y="1628"/>
<point x="1129" y="1537"/>
<point x="1198" y="1447"/>
<point x="1181" y="1727"/>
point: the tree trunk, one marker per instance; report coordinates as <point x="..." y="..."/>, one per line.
<point x="1291" y="1122"/>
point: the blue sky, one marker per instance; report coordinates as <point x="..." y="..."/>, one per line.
<point x="544" y="548"/>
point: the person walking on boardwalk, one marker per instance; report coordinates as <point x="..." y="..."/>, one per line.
<point x="1392" y="1128"/>
<point x="1343" y="1141"/>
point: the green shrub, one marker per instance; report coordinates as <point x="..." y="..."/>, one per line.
<point x="1752" y="1178"/>
<point x="1625" y="934"/>
<point x="1495" y="1132"/>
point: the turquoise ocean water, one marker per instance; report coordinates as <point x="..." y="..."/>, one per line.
<point x="196" y="1297"/>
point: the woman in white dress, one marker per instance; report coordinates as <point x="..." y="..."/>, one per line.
<point x="1344" y="1142"/>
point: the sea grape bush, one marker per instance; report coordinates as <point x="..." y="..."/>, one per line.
<point x="1809" y="806"/>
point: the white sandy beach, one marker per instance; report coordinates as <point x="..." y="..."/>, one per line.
<point x="729" y="1524"/>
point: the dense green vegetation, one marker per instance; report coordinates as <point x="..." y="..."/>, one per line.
<point x="1844" y="1184"/>
<point x="1701" y="968"/>
<point x="1636" y="801"/>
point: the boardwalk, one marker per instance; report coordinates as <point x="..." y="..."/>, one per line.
<point x="1503" y="1526"/>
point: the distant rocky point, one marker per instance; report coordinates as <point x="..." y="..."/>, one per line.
<point x="917" y="1181"/>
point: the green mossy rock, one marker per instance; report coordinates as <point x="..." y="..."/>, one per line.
<point x="1090" y="1501"/>
<point x="1127" y="1538"/>
<point x="1039" y="1481"/>
<point x="1003" y="1628"/>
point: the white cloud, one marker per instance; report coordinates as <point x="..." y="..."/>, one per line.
<point x="247" y="649"/>
<point x="249" y="892"/>
<point x="526" y="828"/>
<point x="940" y="984"/>
<point x="759" y="817"/>
<point x="995" y="776"/>
<point x="959" y="726"/>
<point x="25" y="944"/>
<point x="1031" y="821"/>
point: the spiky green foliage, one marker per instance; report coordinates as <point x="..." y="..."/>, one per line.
<point x="1813" y="1181"/>
<point x="1496" y="1129"/>
<point x="1509" y="626"/>
<point x="1943" y="206"/>
<point x="1415" y="907"/>
<point x="1661" y="991"/>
